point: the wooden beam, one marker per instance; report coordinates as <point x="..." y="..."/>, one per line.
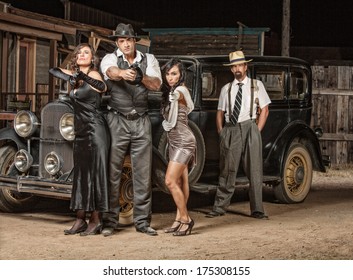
<point x="4" y="65"/>
<point x="95" y="40"/>
<point x="66" y="61"/>
<point x="20" y="20"/>
<point x="333" y="92"/>
<point x="32" y="32"/>
<point x="285" y="27"/>
<point x="144" y="42"/>
<point x="336" y="137"/>
<point x="61" y="22"/>
<point x="52" y="63"/>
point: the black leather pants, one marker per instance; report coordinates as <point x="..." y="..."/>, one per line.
<point x="136" y="134"/>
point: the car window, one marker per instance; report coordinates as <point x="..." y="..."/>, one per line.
<point x="273" y="79"/>
<point x="298" y="87"/>
<point x="213" y="79"/>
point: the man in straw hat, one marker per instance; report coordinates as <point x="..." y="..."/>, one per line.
<point x="130" y="74"/>
<point x="240" y="137"/>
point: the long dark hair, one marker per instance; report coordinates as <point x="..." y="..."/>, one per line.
<point x="95" y="59"/>
<point x="166" y="89"/>
<point x="73" y="61"/>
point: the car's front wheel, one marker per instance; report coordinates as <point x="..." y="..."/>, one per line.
<point x="12" y="201"/>
<point x="297" y="175"/>
<point x="126" y="194"/>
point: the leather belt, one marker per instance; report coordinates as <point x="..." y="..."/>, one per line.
<point x="129" y="116"/>
<point x="229" y="124"/>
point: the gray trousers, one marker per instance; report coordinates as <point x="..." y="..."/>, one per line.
<point x="136" y="135"/>
<point x="240" y="142"/>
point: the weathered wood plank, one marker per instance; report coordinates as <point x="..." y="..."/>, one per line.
<point x="350" y="114"/>
<point x="337" y="137"/>
<point x="39" y="24"/>
<point x="344" y="75"/>
<point x="203" y="44"/>
<point x="342" y="112"/>
<point x="341" y="148"/>
<point x="332" y="92"/>
<point x="318" y="77"/>
<point x="332" y="110"/>
<point x="332" y="77"/>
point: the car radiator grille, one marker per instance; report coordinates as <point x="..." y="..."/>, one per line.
<point x="51" y="139"/>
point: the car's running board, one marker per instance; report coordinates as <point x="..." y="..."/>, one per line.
<point x="203" y="187"/>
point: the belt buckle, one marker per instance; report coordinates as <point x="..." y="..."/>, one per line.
<point x="131" y="116"/>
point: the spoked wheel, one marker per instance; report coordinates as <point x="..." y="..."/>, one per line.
<point x="126" y="194"/>
<point x="296" y="175"/>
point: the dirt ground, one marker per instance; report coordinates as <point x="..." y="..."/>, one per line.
<point x="319" y="228"/>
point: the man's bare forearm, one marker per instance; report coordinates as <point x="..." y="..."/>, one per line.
<point x="152" y="83"/>
<point x="262" y="118"/>
<point x="219" y="120"/>
<point x="114" y="73"/>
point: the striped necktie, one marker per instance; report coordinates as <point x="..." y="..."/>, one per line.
<point x="237" y="105"/>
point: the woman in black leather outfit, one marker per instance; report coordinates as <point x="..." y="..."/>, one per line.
<point x="92" y="141"/>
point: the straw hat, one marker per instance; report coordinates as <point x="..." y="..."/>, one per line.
<point x="236" y="57"/>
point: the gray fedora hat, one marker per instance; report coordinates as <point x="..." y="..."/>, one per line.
<point x="124" y="31"/>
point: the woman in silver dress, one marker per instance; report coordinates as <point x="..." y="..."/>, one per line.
<point x="176" y="106"/>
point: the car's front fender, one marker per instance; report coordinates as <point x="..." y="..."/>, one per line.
<point x="295" y="132"/>
<point x="8" y="134"/>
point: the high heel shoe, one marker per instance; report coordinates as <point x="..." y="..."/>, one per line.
<point x="93" y="231"/>
<point x="82" y="228"/>
<point x="173" y="229"/>
<point x="187" y="231"/>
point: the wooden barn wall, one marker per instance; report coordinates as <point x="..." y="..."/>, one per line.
<point x="333" y="110"/>
<point x="85" y="14"/>
<point x="203" y="44"/>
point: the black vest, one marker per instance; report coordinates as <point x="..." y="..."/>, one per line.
<point x="126" y="97"/>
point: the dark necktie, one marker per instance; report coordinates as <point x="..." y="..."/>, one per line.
<point x="237" y="106"/>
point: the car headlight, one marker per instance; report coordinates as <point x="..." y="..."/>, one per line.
<point x="25" y="123"/>
<point x="319" y="132"/>
<point x="53" y="163"/>
<point x="66" y="126"/>
<point x="23" y="160"/>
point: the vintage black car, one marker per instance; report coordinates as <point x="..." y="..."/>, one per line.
<point x="36" y="155"/>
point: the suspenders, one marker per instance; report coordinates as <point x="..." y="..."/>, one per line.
<point x="251" y="100"/>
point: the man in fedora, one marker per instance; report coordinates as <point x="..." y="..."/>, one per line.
<point x="240" y="137"/>
<point x="130" y="75"/>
